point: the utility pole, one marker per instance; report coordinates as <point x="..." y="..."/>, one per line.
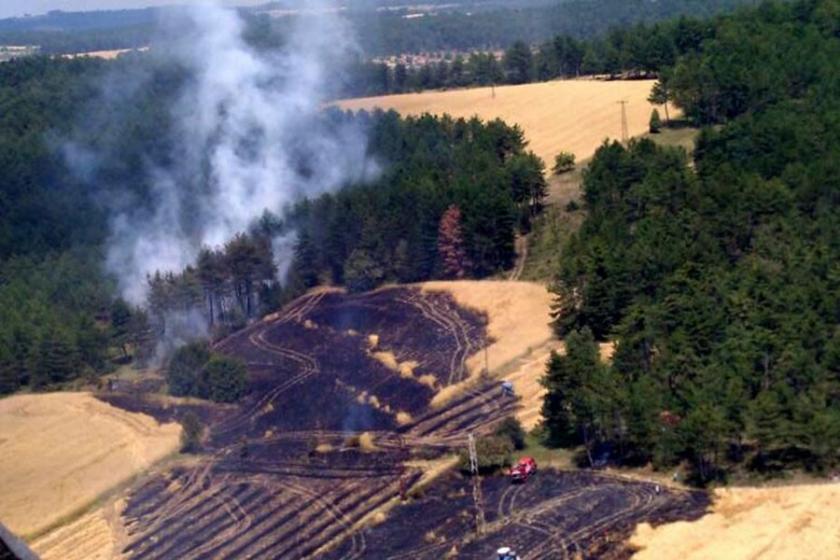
<point x="479" y="506"/>
<point x="625" y="133"/>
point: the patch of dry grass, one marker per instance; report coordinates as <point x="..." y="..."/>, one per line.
<point x="87" y="538"/>
<point x="779" y="523"/>
<point x="404" y="369"/>
<point x="60" y="452"/>
<point x="566" y="115"/>
<point x="366" y="442"/>
<point x="324" y="448"/>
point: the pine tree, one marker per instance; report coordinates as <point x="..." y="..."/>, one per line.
<point x="766" y="421"/>
<point x="655" y="125"/>
<point x="184" y="371"/>
<point x="54" y="359"/>
<point x="141" y="337"/>
<point x="305" y="259"/>
<point x="563" y="163"/>
<point x="450" y="244"/>
<point x="120" y="325"/>
<point x="703" y="434"/>
<point x="362" y="272"/>
<point x="212" y="276"/>
<point x="226" y="379"/>
<point x="191" y="433"/>
<point x="518" y="63"/>
<point x="660" y="95"/>
<point x="9" y="375"/>
<point x="570" y="407"/>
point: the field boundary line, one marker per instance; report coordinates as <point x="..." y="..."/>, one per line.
<point x="99" y="500"/>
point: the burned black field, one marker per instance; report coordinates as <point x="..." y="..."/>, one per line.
<point x="554" y="515"/>
<point x="326" y="435"/>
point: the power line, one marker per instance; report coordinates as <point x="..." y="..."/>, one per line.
<point x="479" y="502"/>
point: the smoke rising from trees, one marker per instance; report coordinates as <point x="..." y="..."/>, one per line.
<point x="246" y="138"/>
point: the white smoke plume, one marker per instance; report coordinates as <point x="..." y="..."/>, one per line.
<point x="243" y="122"/>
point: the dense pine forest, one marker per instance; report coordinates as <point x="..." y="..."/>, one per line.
<point x="638" y="51"/>
<point x="718" y="281"/>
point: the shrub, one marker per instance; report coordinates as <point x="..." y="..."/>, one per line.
<point x="362" y="272"/>
<point x="225" y="379"/>
<point x="494" y="453"/>
<point x="655" y="122"/>
<point x="511" y="429"/>
<point x="184" y="371"/>
<point x="194" y="371"/>
<point x="191" y="432"/>
<point x="563" y="163"/>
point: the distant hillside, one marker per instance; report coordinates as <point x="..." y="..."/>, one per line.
<point x="58" y="21"/>
<point x="382" y="27"/>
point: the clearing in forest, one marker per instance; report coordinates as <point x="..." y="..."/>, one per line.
<point x="768" y="523"/>
<point x="568" y="115"/>
<point x="60" y="451"/>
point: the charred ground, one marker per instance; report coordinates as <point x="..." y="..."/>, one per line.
<point x="323" y="436"/>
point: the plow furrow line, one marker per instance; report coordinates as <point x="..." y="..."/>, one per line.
<point x="309" y="367"/>
<point x="283" y="531"/>
<point x="457" y="362"/>
<point x="216" y="522"/>
<point x="641" y="503"/>
<point x="148" y="540"/>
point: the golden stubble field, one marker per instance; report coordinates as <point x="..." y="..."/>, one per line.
<point x="564" y="115"/>
<point x="774" y="523"/>
<point x="60" y="452"/>
<point x="519" y="324"/>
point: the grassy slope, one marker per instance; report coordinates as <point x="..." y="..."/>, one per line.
<point x="553" y="228"/>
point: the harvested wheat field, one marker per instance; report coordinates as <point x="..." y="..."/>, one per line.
<point x="90" y="537"/>
<point x="568" y="115"/>
<point x="60" y="451"/>
<point x="746" y="523"/>
<point x="519" y="317"/>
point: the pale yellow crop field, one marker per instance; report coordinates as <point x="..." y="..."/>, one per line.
<point x="60" y="451"/>
<point x="778" y="523"/>
<point x="90" y="537"/>
<point x="565" y="115"/>
<point x="519" y="325"/>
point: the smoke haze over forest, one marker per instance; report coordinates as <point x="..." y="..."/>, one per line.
<point x="247" y="139"/>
